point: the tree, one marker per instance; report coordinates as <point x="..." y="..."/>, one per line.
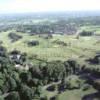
<point x="13" y="96"/>
<point x="33" y="43"/>
<point x="25" y="77"/>
<point x="36" y="72"/>
<point x="86" y="33"/>
<point x="3" y="51"/>
<point x="73" y="66"/>
<point x="56" y="70"/>
<point x="12" y="84"/>
<point x="14" y="37"/>
<point x="26" y="93"/>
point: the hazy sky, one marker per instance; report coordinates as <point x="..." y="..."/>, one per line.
<point x="18" y="6"/>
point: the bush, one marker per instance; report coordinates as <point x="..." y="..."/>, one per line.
<point x="33" y="43"/>
<point x="1" y="42"/>
<point x="85" y="87"/>
<point x="46" y="36"/>
<point x="44" y="98"/>
<point x="96" y="84"/>
<point x="95" y="60"/>
<point x="73" y="82"/>
<point x="59" y="42"/>
<point x="3" y="51"/>
<point x="86" y="33"/>
<point x="14" y="37"/>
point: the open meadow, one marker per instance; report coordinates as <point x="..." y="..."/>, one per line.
<point x="84" y="47"/>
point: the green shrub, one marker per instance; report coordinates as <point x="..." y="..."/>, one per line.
<point x="73" y="82"/>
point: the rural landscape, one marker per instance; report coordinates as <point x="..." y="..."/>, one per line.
<point x="50" y="56"/>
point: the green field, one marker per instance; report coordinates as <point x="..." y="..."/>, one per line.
<point x="83" y="47"/>
<point x="79" y="49"/>
<point x="75" y="94"/>
<point x="95" y="28"/>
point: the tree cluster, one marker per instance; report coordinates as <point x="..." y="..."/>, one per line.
<point x="14" y="37"/>
<point x="27" y="84"/>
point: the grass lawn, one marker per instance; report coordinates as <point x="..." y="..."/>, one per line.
<point x="95" y="28"/>
<point x="84" y="46"/>
<point x="75" y="94"/>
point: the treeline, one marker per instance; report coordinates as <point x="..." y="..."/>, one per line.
<point x="86" y="33"/>
<point x="82" y="21"/>
<point x="59" y="27"/>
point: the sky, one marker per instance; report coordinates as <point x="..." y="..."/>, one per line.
<point x="23" y="6"/>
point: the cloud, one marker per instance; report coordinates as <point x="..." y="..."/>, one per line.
<point x="48" y="5"/>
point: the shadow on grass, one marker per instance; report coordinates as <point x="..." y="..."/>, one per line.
<point x="94" y="96"/>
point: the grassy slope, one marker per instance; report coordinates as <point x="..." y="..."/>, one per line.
<point x="85" y="46"/>
<point x="75" y="94"/>
<point x="91" y="28"/>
